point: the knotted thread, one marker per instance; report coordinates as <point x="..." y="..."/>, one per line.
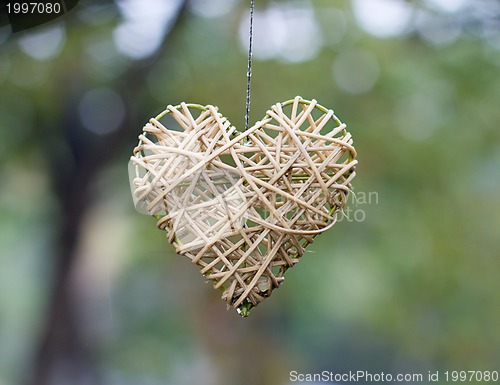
<point x="244" y="206"/>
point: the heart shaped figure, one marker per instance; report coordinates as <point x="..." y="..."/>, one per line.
<point x="244" y="206"/>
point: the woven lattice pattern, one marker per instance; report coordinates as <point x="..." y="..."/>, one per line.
<point x="244" y="206"/>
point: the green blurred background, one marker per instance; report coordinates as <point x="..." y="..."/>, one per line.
<point x="92" y="293"/>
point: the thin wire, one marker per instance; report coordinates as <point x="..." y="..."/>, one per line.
<point x="249" y="69"/>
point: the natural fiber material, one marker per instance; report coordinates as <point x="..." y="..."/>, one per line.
<point x="244" y="206"/>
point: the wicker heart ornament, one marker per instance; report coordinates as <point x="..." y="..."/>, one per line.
<point x="244" y="206"/>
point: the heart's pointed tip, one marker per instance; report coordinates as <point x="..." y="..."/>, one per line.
<point x="244" y="309"/>
<point x="243" y="314"/>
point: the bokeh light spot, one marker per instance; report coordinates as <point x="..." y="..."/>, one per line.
<point x="44" y="44"/>
<point x="288" y="32"/>
<point x="436" y="31"/>
<point x="104" y="61"/>
<point x="212" y="8"/>
<point x="5" y="32"/>
<point x="356" y="71"/>
<point x="421" y="113"/>
<point x="448" y="5"/>
<point x="101" y="110"/>
<point x="333" y="25"/>
<point x="145" y="24"/>
<point x="383" y="18"/>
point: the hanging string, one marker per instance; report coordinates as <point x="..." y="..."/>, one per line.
<point x="249" y="69"/>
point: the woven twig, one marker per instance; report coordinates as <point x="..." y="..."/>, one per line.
<point x="244" y="206"/>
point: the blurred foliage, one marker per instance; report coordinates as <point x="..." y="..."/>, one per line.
<point x="410" y="288"/>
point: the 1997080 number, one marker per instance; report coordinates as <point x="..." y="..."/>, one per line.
<point x="34" y="8"/>
<point x="471" y="376"/>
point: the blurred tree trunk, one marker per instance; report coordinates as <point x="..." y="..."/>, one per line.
<point x="63" y="357"/>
